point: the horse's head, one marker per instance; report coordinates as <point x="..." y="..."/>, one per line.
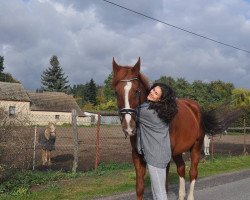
<point x="131" y="88"/>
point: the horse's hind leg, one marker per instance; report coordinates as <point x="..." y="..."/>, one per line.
<point x="181" y="172"/>
<point x="193" y="173"/>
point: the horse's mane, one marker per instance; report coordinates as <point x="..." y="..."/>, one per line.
<point x="145" y="81"/>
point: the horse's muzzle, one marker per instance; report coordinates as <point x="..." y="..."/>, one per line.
<point x="129" y="132"/>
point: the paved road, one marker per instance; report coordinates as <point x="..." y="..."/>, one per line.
<point x="230" y="186"/>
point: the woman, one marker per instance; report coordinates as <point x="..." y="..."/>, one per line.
<point x="47" y="140"/>
<point x="153" y="140"/>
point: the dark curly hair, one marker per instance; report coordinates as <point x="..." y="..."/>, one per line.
<point x="166" y="107"/>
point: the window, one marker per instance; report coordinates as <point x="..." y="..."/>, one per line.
<point x="12" y="111"/>
<point x="57" y="116"/>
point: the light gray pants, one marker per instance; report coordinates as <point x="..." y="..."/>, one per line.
<point x="158" y="182"/>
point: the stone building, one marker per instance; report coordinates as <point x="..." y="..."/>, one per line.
<point x="39" y="108"/>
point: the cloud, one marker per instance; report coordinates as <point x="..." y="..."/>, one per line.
<point x="86" y="35"/>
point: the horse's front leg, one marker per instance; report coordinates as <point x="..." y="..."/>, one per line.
<point x="140" y="169"/>
<point x="180" y="164"/>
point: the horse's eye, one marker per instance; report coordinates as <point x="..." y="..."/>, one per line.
<point x="137" y="93"/>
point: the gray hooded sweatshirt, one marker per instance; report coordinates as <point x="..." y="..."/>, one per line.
<point x="153" y="137"/>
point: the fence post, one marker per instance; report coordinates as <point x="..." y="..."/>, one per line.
<point x="75" y="137"/>
<point x="212" y="147"/>
<point x="34" y="150"/>
<point x="97" y="155"/>
<point x="245" y="147"/>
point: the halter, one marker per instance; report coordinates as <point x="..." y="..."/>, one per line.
<point x="129" y="110"/>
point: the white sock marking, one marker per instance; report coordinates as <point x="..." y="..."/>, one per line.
<point x="182" y="190"/>
<point x="191" y="190"/>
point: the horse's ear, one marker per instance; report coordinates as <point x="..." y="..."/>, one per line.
<point x="116" y="67"/>
<point x="137" y="66"/>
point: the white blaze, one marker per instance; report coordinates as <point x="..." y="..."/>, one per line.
<point x="127" y="88"/>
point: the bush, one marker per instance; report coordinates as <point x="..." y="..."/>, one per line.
<point x="111" y="105"/>
<point x="19" y="182"/>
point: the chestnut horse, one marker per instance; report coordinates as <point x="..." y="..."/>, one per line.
<point x="187" y="129"/>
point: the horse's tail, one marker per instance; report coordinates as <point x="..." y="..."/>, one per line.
<point x="218" y="120"/>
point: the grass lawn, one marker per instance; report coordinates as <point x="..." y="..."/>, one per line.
<point x="107" y="180"/>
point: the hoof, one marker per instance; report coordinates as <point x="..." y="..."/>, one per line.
<point x="190" y="197"/>
<point x="181" y="197"/>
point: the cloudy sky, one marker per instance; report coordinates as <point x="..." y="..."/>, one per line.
<point x="87" y="34"/>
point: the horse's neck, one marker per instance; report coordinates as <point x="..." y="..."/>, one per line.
<point x="145" y="86"/>
<point x="143" y="98"/>
<point x="144" y="94"/>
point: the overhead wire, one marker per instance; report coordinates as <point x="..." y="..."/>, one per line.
<point x="176" y="27"/>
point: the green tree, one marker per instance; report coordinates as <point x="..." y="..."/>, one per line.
<point x="78" y="93"/>
<point x="1" y="64"/>
<point x="90" y="92"/>
<point x="241" y="97"/>
<point x="100" y="95"/>
<point x="110" y="105"/>
<point x="167" y="80"/>
<point x="220" y="91"/>
<point x="210" y="95"/>
<point x="78" y="90"/>
<point x="53" y="78"/>
<point x="200" y="92"/>
<point x="109" y="93"/>
<point x="88" y="106"/>
<point x="5" y="77"/>
<point x="183" y="88"/>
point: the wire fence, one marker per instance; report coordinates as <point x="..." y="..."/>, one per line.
<point x="83" y="147"/>
<point x="77" y="147"/>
